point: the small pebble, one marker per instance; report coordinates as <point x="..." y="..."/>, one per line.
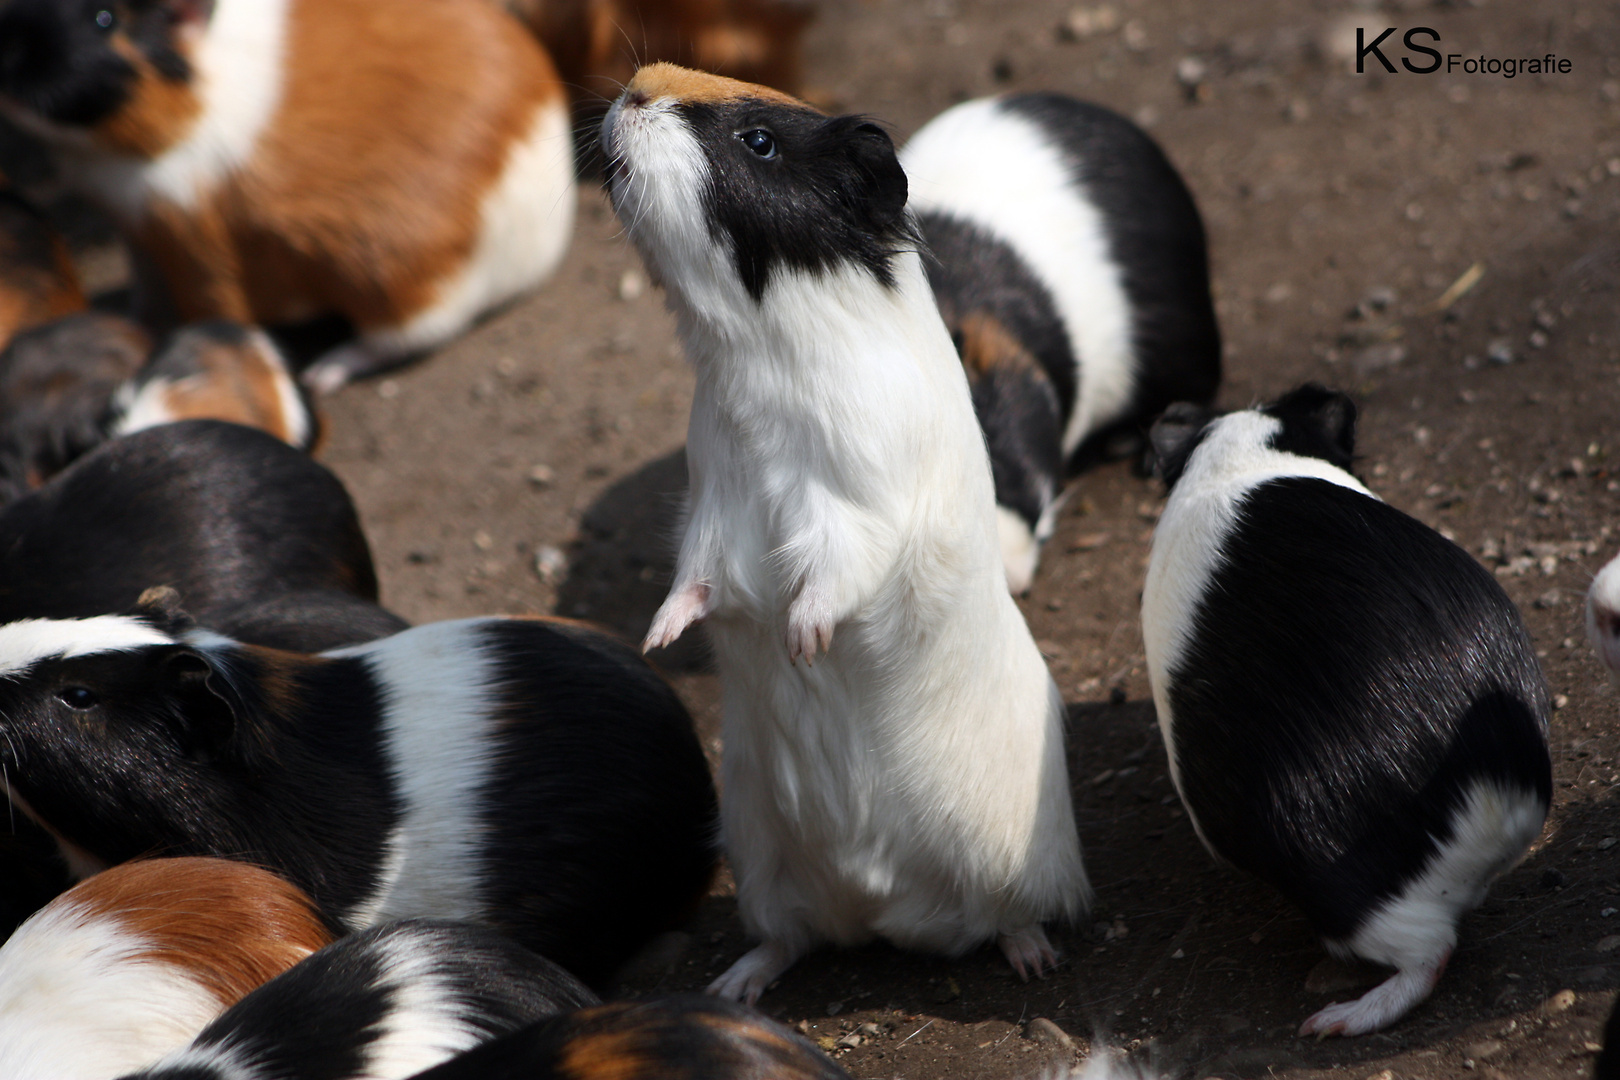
<point x="1042" y="1030"/>
<point x="1499" y="351"/>
<point x="631" y="285"/>
<point x="550" y="563"/>
<point x="542" y="476"/>
<point x="1558" y="1003"/>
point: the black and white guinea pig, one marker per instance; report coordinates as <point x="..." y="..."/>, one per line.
<point x="1069" y="264"/>
<point x="218" y="370"/>
<point x="57" y="382"/>
<point x="668" y="1038"/>
<point x="531" y="775"/>
<point x="277" y="160"/>
<point x="37" y="280"/>
<point x="1351" y="704"/>
<point x="381" y="1005"/>
<point x="134" y="962"/>
<point x="261" y="542"/>
<point x="1603" y="616"/>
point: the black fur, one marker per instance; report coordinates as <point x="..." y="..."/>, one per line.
<point x="1607" y="1066"/>
<point x="600" y="813"/>
<point x="833" y="194"/>
<point x="616" y="822"/>
<point x="59" y="62"/>
<point x="262" y="543"/>
<point x="1350" y="674"/>
<point x="1173" y="438"/>
<point x="57" y="383"/>
<point x="674" y="1038"/>
<point x="1157" y="240"/>
<point x="319" y="1020"/>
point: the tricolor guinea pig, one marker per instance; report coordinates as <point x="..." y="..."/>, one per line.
<point x="261" y="542"/>
<point x="894" y="761"/>
<point x="57" y="382"/>
<point x="37" y="280"/>
<point x="380" y="1005"/>
<point x="669" y="1038"/>
<point x="1070" y="266"/>
<point x="218" y="370"/>
<point x="1351" y="704"/>
<point x="134" y="962"/>
<point x="276" y="160"/>
<point x="531" y="775"/>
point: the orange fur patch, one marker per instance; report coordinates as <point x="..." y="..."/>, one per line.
<point x="987" y="345"/>
<point x="231" y="926"/>
<point x="239" y="384"/>
<point x="664" y="80"/>
<point x="32" y="292"/>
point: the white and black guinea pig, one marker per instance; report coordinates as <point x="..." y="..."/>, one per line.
<point x="276" y="160"/>
<point x="380" y="1005"/>
<point x="1351" y="704"/>
<point x="532" y="775"/>
<point x="261" y="542"/>
<point x="681" y="1037"/>
<point x="37" y="280"/>
<point x="134" y="962"/>
<point x="218" y="370"/>
<point x="1069" y="264"/>
<point x="57" y="382"/>
<point x="1603" y="617"/>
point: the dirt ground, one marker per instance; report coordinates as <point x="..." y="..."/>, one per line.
<point x="535" y="467"/>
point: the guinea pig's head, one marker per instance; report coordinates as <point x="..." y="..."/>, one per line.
<point x="114" y="70"/>
<point x="1311" y="422"/>
<point x="113" y="731"/>
<point x="723" y="183"/>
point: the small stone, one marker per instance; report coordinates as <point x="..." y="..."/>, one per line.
<point x="1102" y="778"/>
<point x="870" y="1030"/>
<point x="1559" y="701"/>
<point x="1606" y="843"/>
<point x="1136" y="35"/>
<point x="1089" y="541"/>
<point x="550" y="563"/>
<point x="1179" y="954"/>
<point x="542" y="476"/>
<point x="388" y="389"/>
<point x="1558" y="1003"/>
<point x="1499" y="351"/>
<point x="802" y="1027"/>
<point x="1190" y="71"/>
<point x="1483" y="1050"/>
<point x="482" y="540"/>
<point x="1044" y="1031"/>
<point x="631" y="285"/>
<point x="848" y="1042"/>
<point x="1608" y="943"/>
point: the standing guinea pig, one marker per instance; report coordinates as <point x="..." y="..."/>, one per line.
<point x="531" y="775"/>
<point x="1069" y="264"/>
<point x="405" y="166"/>
<point x="135" y="961"/>
<point x="907" y="780"/>
<point x="670" y="1038"/>
<point x="37" y="280"/>
<point x="380" y="1005"/>
<point x="261" y="542"/>
<point x="1351" y="704"/>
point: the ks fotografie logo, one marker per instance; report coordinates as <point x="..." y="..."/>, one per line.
<point x="1431" y="60"/>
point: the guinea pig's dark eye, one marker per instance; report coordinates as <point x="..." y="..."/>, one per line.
<point x="77" y="697"/>
<point x="761" y="142"/>
<point x="106" y="19"/>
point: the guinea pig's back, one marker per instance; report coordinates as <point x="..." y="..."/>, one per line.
<point x="1349" y="682"/>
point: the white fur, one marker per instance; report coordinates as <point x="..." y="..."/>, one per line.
<point x="78" y="1001"/>
<point x="1020" y="550"/>
<point x="995" y="169"/>
<point x="911" y="782"/>
<point x="1190" y="539"/>
<point x="238" y="63"/>
<point x="24" y="644"/>
<point x="438" y="716"/>
<point x="1602" y="608"/>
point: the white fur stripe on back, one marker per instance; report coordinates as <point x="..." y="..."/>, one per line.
<point x="24" y="644"/>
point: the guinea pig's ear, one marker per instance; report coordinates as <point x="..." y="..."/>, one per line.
<point x="209" y="704"/>
<point x="160" y="608"/>
<point x="1317" y="421"/>
<point x="1173" y="438"/>
<point x="883" y="182"/>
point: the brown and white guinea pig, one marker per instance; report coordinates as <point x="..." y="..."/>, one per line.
<point x="597" y="44"/>
<point x="668" y="1038"/>
<point x="37" y="280"/>
<point x="908" y="779"/>
<point x="218" y="370"/>
<point x="380" y="1005"/>
<point x="1070" y="266"/>
<point x="134" y="962"/>
<point x="1352" y="705"/>
<point x="261" y="542"/>
<point x="57" y="382"/>
<point x="532" y="775"/>
<point x="409" y="168"/>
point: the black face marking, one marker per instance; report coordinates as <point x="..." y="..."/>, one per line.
<point x="57" y="57"/>
<point x="1316" y="422"/>
<point x="1156" y="238"/>
<point x="1350" y="674"/>
<point x="790" y="188"/>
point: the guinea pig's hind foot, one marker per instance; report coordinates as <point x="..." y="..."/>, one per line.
<point x="683" y="607"/>
<point x="747" y="979"/>
<point x="1029" y="952"/>
<point x="1381" y="1006"/>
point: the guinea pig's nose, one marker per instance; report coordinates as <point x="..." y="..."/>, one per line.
<point x="634" y="98"/>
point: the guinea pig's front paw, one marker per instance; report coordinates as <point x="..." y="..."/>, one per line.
<point x="810" y="624"/>
<point x="680" y="609"/>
